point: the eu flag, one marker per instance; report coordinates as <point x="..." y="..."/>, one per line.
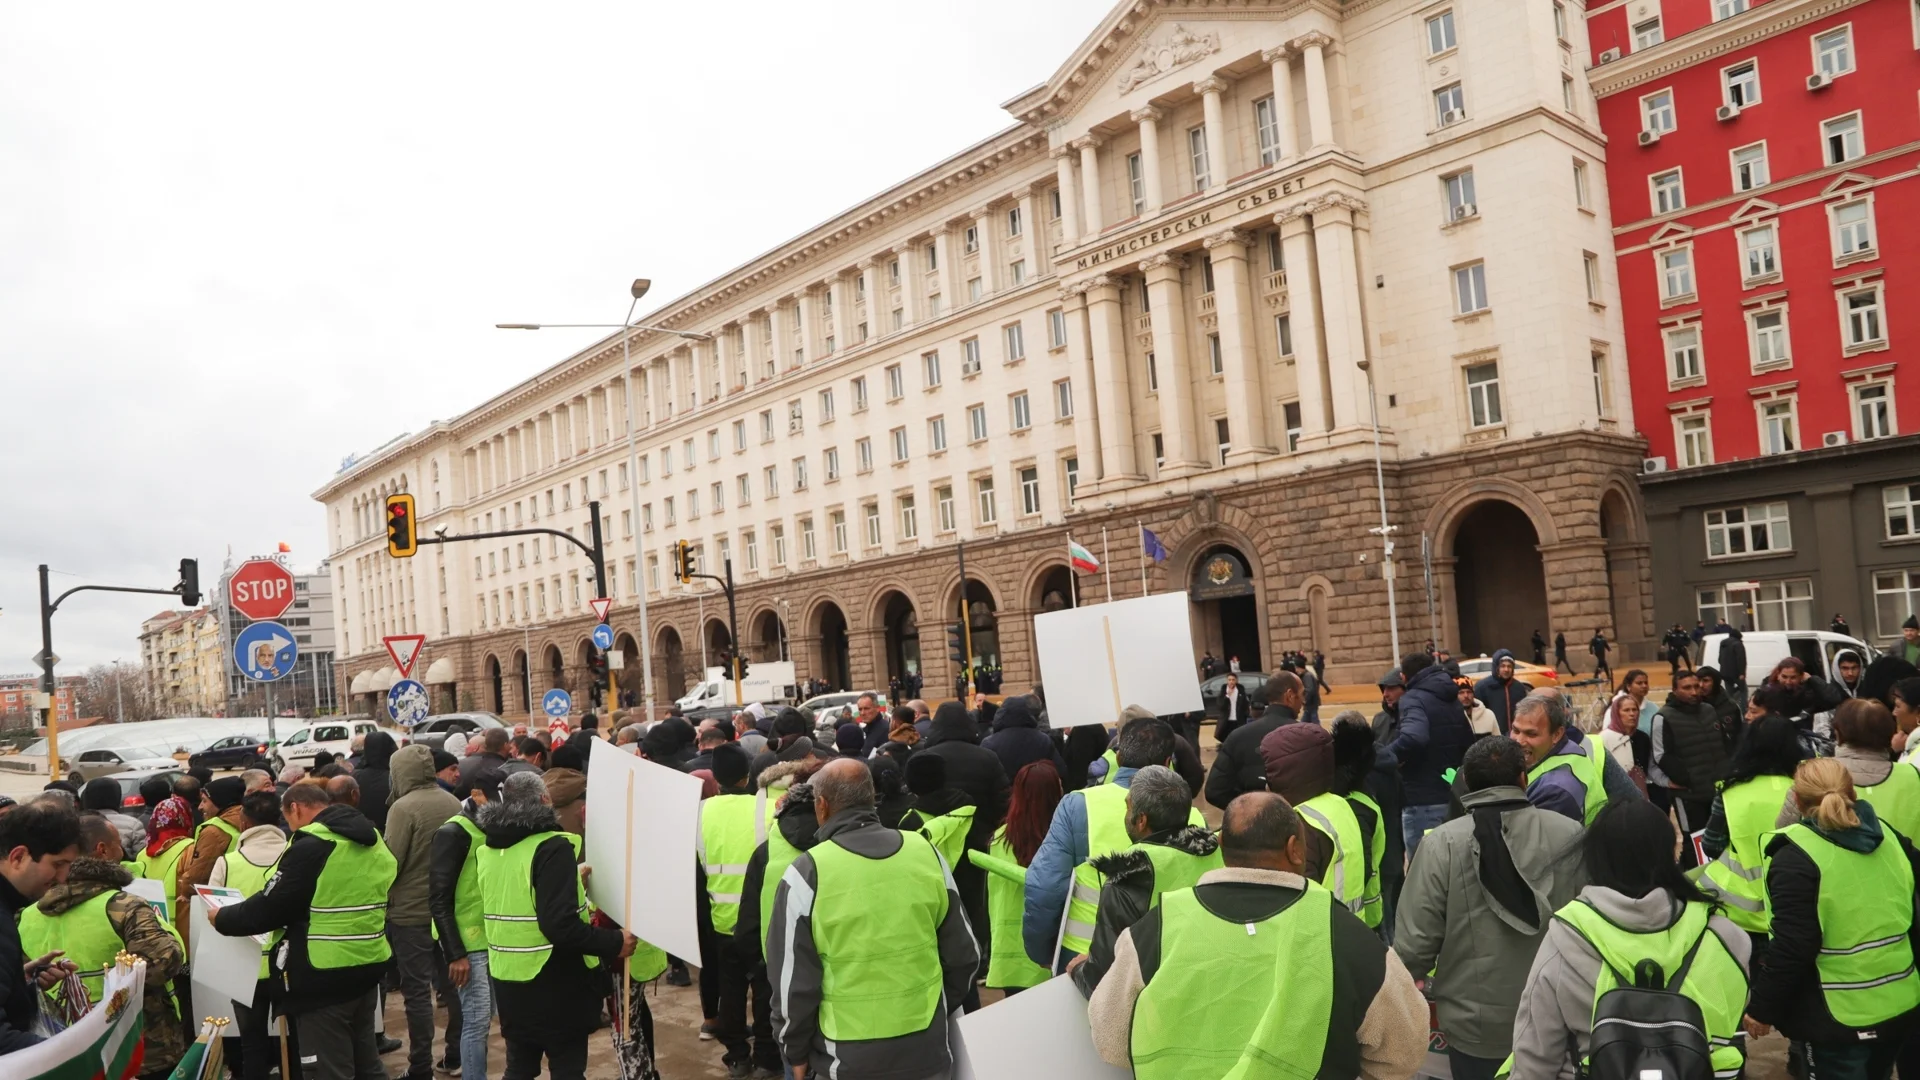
<point x="1151" y="544"/>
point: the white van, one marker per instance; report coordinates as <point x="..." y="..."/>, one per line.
<point x="1765" y="648"/>
<point x="331" y="736"/>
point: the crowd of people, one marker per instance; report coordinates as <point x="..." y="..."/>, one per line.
<point x="1469" y="860"/>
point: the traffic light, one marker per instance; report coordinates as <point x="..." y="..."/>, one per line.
<point x="402" y="539"/>
<point x="956" y="643"/>
<point x="741" y="659"/>
<point x="597" y="669"/>
<point x="683" y="567"/>
<point x="190" y="582"/>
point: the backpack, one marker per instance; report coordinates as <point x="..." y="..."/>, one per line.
<point x="1646" y="1030"/>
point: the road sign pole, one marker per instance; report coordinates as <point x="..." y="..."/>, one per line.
<point x="733" y="633"/>
<point x="46" y="676"/>
<point x="600" y="587"/>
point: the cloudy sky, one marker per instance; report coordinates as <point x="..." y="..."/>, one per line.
<point x="239" y="242"/>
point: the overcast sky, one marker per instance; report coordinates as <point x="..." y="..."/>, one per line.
<point x="239" y="242"/>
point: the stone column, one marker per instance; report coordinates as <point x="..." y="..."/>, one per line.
<point x="910" y="283"/>
<point x="1319" y="103"/>
<point x="806" y="315"/>
<point x="1086" y="408"/>
<point x="780" y="319"/>
<point x="754" y="346"/>
<point x="1112" y="378"/>
<point x="1579" y="596"/>
<point x="1033" y="237"/>
<point x="1149" y="120"/>
<point x="723" y="361"/>
<point x="1169" y="298"/>
<point x="688" y="377"/>
<point x="988" y="238"/>
<point x="668" y="387"/>
<point x="879" y="311"/>
<point x="1069" y="196"/>
<point x="1247" y="405"/>
<point x="1218" y="168"/>
<point x="1282" y="63"/>
<point x="1346" y="333"/>
<point x="867" y="654"/>
<point x="1092" y="221"/>
<point x="948" y="273"/>
<point x="844" y="319"/>
<point x="1303" y="315"/>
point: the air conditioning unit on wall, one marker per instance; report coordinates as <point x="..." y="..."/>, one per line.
<point x="1726" y="112"/>
<point x="1653" y="465"/>
<point x="1834" y="438"/>
<point x="1817" y="81"/>
<point x="1648" y="138"/>
<point x="1609" y="56"/>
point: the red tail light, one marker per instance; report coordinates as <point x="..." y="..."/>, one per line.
<point x="131" y="800"/>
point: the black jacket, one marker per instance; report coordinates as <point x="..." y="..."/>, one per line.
<point x="1127" y="893"/>
<point x="1786" y="983"/>
<point x="565" y="998"/>
<point x="1733" y="661"/>
<point x="1232" y="713"/>
<point x="472" y="764"/>
<point x="19" y="1001"/>
<point x="1695" y="753"/>
<point x="970" y="767"/>
<point x="1501" y="696"/>
<point x="376" y="783"/>
<point x="284" y="903"/>
<point x="1237" y="766"/>
<point x="446" y="859"/>
<point x="1434" y="735"/>
<point x="1018" y="740"/>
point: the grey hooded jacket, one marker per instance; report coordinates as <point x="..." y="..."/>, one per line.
<point x="1479" y="951"/>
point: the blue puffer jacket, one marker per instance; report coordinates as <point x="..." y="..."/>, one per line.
<point x="1434" y="734"/>
<point x="1500" y="697"/>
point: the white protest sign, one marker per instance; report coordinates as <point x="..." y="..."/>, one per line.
<point x="643" y="821"/>
<point x="1099" y="659"/>
<point x="1040" y="1034"/>
<point x="224" y="968"/>
<point x="154" y="892"/>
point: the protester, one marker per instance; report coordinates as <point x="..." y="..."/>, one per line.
<point x="1637" y="907"/>
<point x="454" y="903"/>
<point x="1630" y="745"/>
<point x="792" y="832"/>
<point x="374" y="777"/>
<point x="1904" y="698"/>
<point x="1237" y="765"/>
<point x="732" y="825"/>
<point x="221" y="821"/>
<point x="39" y="843"/>
<point x="942" y="813"/>
<point x="856" y="996"/>
<point x="419" y="809"/>
<point x="245" y="868"/>
<point x="491" y="755"/>
<point x="1036" y="792"/>
<point x="1861" y="729"/>
<point x="169" y="839"/>
<point x="1688" y="748"/>
<point x="344" y="790"/>
<point x="327" y="898"/>
<point x="1251" y="972"/>
<point x="1477" y="901"/>
<point x="1355" y="758"/>
<point x="1838" y="971"/>
<point x="1433" y="738"/>
<point x="1742" y="818"/>
<point x="102" y="795"/>
<point x="1500" y="691"/>
<point x="1726" y="711"/>
<point x="1566" y="770"/>
<point x="1018" y="740"/>
<point x="893" y="803"/>
<point x="1479" y="717"/>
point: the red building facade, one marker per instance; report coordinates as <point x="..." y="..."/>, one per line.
<point x="1764" y="169"/>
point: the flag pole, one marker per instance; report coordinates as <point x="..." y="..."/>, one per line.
<point x="1106" y="563"/>
<point x="1143" y="556"/>
<point x="1073" y="575"/>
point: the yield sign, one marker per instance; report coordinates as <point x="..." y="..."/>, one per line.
<point x="405" y="649"/>
<point x="601" y="605"/>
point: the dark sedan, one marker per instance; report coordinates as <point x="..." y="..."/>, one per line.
<point x="232" y="752"/>
<point x="1213" y="692"/>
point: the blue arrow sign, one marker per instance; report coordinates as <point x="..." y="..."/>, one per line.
<point x="556" y="703"/>
<point x="407" y="702"/>
<point x="265" y="652"/>
<point x="603" y="636"/>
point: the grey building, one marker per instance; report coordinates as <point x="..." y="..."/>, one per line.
<point x="310" y="690"/>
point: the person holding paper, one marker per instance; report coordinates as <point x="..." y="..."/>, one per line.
<point x="1256" y="958"/>
<point x="221" y="820"/>
<point x="856" y="995"/>
<point x="245" y="869"/>
<point x="453" y="899"/>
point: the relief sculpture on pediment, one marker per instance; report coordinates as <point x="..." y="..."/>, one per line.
<point x="1181" y="47"/>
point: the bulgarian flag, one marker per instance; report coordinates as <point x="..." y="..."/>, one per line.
<point x="1082" y="559"/>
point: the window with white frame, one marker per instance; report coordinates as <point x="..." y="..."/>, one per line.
<point x="1056" y="329"/>
<point x="766" y="425"/>
<point x="1136" y="184"/>
<point x="1283" y="334"/>
<point x="909" y="518"/>
<point x="1266" y="125"/>
<point x="799" y="474"/>
<point x="872" y="512"/>
<point x="1483" y="395"/>
<point x="1222" y="439"/>
<point x="830" y="463"/>
<point x="1647" y="34"/>
<point x="1693" y="437"/>
<point x="837" y="524"/>
<point x="1683" y="353"/>
<point x="1569" y="97"/>
<point x="1727" y="9"/>
<point x="1070" y="469"/>
<point x="1833" y="51"/>
<point x="1676" y="273"/>
<point x="1852" y="228"/>
<point x="899" y="437"/>
<point x="943" y="507"/>
<point x="976" y="289"/>
<point x="931" y="253"/>
<point x="1290" y="419"/>
<point x="1017" y="272"/>
<point x="1841" y="138"/>
<point x="1759" y="247"/>
<point x="770" y="481"/>
<point x="1873" y="410"/>
<point x="1863" y="325"/>
<point x="666" y="469"/>
<point x="970" y="239"/>
<point x="1153" y="375"/>
<point x="1461" y="203"/>
<point x="1029" y="477"/>
<point x="1014" y="222"/>
<point x="777" y="537"/>
<point x="667" y="512"/>
<point x="976" y="423"/>
<point x="1053" y="204"/>
<point x="859" y="386"/>
<point x="970" y="356"/>
<point x="1749" y="167"/>
<point x="796" y="417"/>
<point x="1582" y="194"/>
<point x="936" y="434"/>
<point x="1656" y="112"/>
<point x="1771" y="343"/>
<point x="1591" y="265"/>
<point x="717" y="491"/>
<point x="1063" y="399"/>
<point x="1020" y="410"/>
<point x="713" y="449"/>
<point x="1779" y="431"/>
<point x="1669" y="191"/>
<point x="1902" y="502"/>
<point x="896" y="383"/>
<point x="1159" y="452"/>
<point x="983" y="499"/>
<point x="1748" y="530"/>
<point x="1449" y="105"/>
<point x="807" y="550"/>
<point x="930" y="368"/>
<point x="826" y="406"/>
<point x="1470" y="287"/>
<point x="1440" y="33"/>
<point x="863" y="456"/>
<point x="1560" y="20"/>
<point x="1206" y="273"/>
<point x="1015" y="340"/>
<point x="1896" y="595"/>
<point x="745" y="485"/>
<point x="1216" y="359"/>
<point x="1740" y="84"/>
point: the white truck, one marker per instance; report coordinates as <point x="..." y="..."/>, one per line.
<point x="769" y="682"/>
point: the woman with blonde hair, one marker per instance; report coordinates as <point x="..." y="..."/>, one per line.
<point x="1838" y="973"/>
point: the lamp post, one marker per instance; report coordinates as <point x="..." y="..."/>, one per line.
<point x="638" y="289"/>
<point x="1384" y="531"/>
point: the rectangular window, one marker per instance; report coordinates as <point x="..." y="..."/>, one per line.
<point x="1483" y="395"/>
<point x="930" y="368"/>
<point x="931" y="253"/>
<point x="830" y="463"/>
<point x="799" y="474"/>
<point x="1013" y="221"/>
<point x="1056" y="329"/>
<point x="1153" y="375"/>
<point x="1560" y="20"/>
<point x="1591" y="265"/>
<point x="872" y="510"/>
<point x="826" y="406"/>
<point x="970" y="239"/>
<point x="863" y="456"/>
<point x="1669" y="194"/>
<point x="1727" y="9"/>
<point x="1777" y="427"/>
<point x="770" y="482"/>
<point x="1833" y="52"/>
<point x="1022" y="412"/>
<point x="1647" y="34"/>
<point x="1760" y="246"/>
<point x="739" y="434"/>
<point x="1683" y="353"/>
<point x="898" y="318"/>
<point x="1461" y="203"/>
<point x="1063" y="399"/>
<point x="666" y="506"/>
<point x="1197" y="157"/>
<point x="1206" y="273"/>
<point x="1656" y="112"/>
<point x="1440" y="33"/>
<point x="1290" y="416"/>
<point x="1449" y="105"/>
<point x="1216" y="359"/>
<point x="1863" y="325"/>
<point x="1276" y="255"/>
<point x="693" y="504"/>
<point x="1029" y="490"/>
<point x="1873" y="410"/>
<point x="896" y="383"/>
<point x="1159" y="452"/>
<point x="646" y="520"/>
<point x="909" y="519"/>
<point x="899" y="437"/>
<point x="723" y="549"/>
<point x="860" y="394"/>
<point x="718" y="493"/>
<point x="1017" y="272"/>
<point x="975" y="290"/>
<point x="777" y="536"/>
<point x="1902" y="502"/>
<point x="1072" y="468"/>
<point x="807" y="549"/>
<point x="1842" y="139"/>
<point x="1015" y="340"/>
<point x="766" y="425"/>
<point x="1896" y="595"/>
<point x="943" y="507"/>
<point x="1470" y="288"/>
<point x="1136" y="184"/>
<point x="1221" y="440"/>
<point x="1852" y="229"/>
<point x="1283" y="334"/>
<point x="1676" y="273"/>
<point x="1694" y="439"/>
<point x="977" y="423"/>
<point x="1266" y="123"/>
<point x="750" y="546"/>
<point x="796" y="418"/>
<point x="1581" y="193"/>
<point x="1750" y="167"/>
<point x="1053" y="204"/>
<point x="666" y="469"/>
<point x="936" y="434"/>
<point x="970" y="357"/>
<point x="686" y="455"/>
<point x="837" y="521"/>
<point x="1569" y="98"/>
<point x="1770" y="341"/>
<point x="1748" y="530"/>
<point x="1741" y="84"/>
<point x="983" y="491"/>
<point x="746" y="490"/>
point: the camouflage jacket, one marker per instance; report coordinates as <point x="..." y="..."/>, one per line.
<point x="145" y="936"/>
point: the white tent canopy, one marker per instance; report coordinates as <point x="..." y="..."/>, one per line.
<point x="361" y="684"/>
<point x="154" y="738"/>
<point x="440" y="671"/>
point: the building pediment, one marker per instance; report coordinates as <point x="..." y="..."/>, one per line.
<point x="1671" y="232"/>
<point x="1846" y="182"/>
<point x="1753" y="209"/>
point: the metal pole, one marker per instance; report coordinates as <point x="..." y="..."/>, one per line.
<point x="1426" y="561"/>
<point x="733" y="636"/>
<point x="966" y="627"/>
<point x="46" y="676"/>
<point x="603" y="692"/>
<point x="1386" y="535"/>
<point x="633" y="489"/>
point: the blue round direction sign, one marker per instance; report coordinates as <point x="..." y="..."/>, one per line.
<point x="265" y="652"/>
<point x="407" y="702"/>
<point x="556" y="703"/>
<point x="603" y="636"/>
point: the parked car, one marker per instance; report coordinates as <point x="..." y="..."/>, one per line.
<point x="232" y="752"/>
<point x="93" y="764"/>
<point x="433" y="731"/>
<point x="1533" y="675"/>
<point x="1213" y="692"/>
<point x="334" y="736"/>
<point x="1765" y="648"/>
<point x="841" y="703"/>
<point x="130" y="782"/>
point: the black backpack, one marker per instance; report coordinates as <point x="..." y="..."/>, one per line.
<point x="1645" y="1029"/>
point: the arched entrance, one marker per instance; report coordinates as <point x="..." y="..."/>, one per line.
<point x="1500" y="583"/>
<point x="983" y="626"/>
<point x="629" y="674"/>
<point x="769" y="638"/>
<point x="718" y="639"/>
<point x="1228" y="620"/>
<point x="522" y="681"/>
<point x="556" y="669"/>
<point x="902" y="625"/>
<point x="672" y="663"/>
<point x="835" y="654"/>
<point x="494" y="698"/>
<point x="1055" y="591"/>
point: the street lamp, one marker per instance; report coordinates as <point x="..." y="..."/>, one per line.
<point x="638" y="289"/>
<point x="526" y="662"/>
<point x="1385" y="531"/>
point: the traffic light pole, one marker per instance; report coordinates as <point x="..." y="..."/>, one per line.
<point x="682" y="559"/>
<point x="966" y="626"/>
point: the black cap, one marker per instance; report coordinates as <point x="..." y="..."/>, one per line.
<point x="443" y="760"/>
<point x="1391" y="678"/>
<point x="1912" y="623"/>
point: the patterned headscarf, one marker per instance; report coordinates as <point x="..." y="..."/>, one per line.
<point x="171" y="819"/>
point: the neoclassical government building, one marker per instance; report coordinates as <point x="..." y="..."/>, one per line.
<point x="1223" y="258"/>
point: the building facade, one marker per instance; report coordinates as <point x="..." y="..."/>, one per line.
<point x="311" y="689"/>
<point x="1762" y="158"/>
<point x="1214" y="246"/>
<point x="181" y="653"/>
<point x="19" y="695"/>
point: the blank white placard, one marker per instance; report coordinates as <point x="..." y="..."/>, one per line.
<point x="643" y="821"/>
<point x="1098" y="659"/>
<point x="1038" y="1034"/>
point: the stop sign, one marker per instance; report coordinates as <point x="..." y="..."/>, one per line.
<point x="261" y="589"/>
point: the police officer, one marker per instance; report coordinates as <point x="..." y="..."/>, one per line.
<point x="548" y="963"/>
<point x="326" y="905"/>
<point x="732" y="824"/>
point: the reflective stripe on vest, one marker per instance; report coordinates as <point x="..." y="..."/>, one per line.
<point x="1106" y="834"/>
<point x="1714" y="982"/>
<point x="1373" y="902"/>
<point x="516" y="949"/>
<point x="1588" y="766"/>
<point x="165" y="868"/>
<point x="729" y="831"/>
<point x="1236" y="999"/>
<point x="1007" y="963"/>
<point x="85" y="931"/>
<point x="247" y="879"/>
<point x="1866" y="911"/>
<point x="1735" y="878"/>
<point x="879" y="978"/>
<point x="347" y="925"/>
<point x="1346" y="875"/>
<point x="1896" y="800"/>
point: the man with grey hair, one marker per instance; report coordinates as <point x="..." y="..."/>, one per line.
<point x="1168" y="853"/>
<point x="856" y="995"/>
<point x="1566" y="772"/>
<point x="254" y="780"/>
